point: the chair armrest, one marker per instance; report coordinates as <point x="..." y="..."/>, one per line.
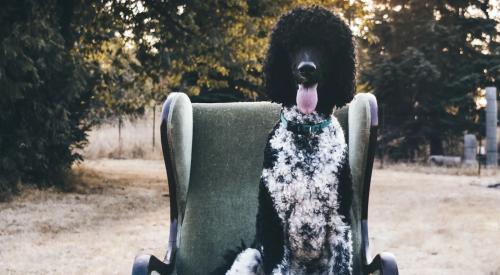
<point x="383" y="262"/>
<point x="145" y="264"/>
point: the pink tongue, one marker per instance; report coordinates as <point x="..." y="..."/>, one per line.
<point x="307" y="98"/>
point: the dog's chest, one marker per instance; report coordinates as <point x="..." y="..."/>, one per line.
<point x="303" y="183"/>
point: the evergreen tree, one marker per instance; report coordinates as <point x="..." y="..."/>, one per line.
<point x="45" y="90"/>
<point x="426" y="62"/>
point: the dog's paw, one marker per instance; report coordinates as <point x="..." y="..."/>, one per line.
<point x="249" y="262"/>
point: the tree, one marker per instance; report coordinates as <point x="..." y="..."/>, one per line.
<point x="45" y="90"/>
<point x="199" y="46"/>
<point x="211" y="50"/>
<point x="426" y="62"/>
<point x="121" y="87"/>
<point x="68" y="64"/>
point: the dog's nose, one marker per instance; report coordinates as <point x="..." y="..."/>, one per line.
<point x="307" y="71"/>
<point x="306" y="68"/>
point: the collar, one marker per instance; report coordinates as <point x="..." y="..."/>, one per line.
<point x="304" y="128"/>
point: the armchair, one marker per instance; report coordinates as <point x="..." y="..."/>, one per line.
<point x="213" y="156"/>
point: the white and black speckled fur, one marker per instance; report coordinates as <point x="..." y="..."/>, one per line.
<point x="303" y="224"/>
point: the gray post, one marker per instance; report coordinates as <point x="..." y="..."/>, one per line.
<point x="491" y="127"/>
<point x="470" y="150"/>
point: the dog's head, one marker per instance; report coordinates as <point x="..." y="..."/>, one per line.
<point x="310" y="61"/>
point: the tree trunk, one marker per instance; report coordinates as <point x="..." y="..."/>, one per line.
<point x="154" y="122"/>
<point x="120" y="122"/>
<point x="436" y="145"/>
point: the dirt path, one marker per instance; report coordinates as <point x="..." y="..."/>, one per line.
<point x="434" y="224"/>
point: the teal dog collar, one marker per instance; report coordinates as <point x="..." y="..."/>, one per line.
<point x="304" y="128"/>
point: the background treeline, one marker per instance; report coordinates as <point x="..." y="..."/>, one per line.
<point x="66" y="65"/>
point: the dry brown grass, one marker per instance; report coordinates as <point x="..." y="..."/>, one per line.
<point x="136" y="139"/>
<point x="121" y="211"/>
<point x="433" y="223"/>
<point x="433" y="169"/>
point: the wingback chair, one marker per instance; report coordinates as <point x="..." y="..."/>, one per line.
<point x="213" y="154"/>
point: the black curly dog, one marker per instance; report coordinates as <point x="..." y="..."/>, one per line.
<point x="303" y="224"/>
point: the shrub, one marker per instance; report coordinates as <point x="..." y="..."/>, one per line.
<point x="44" y="96"/>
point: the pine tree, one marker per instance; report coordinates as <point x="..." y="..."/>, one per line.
<point x="45" y="90"/>
<point x="427" y="61"/>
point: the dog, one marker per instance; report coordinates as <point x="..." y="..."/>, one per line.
<point x="303" y="221"/>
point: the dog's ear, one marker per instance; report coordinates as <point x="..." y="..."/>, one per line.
<point x="278" y="76"/>
<point x="338" y="88"/>
<point x="343" y="79"/>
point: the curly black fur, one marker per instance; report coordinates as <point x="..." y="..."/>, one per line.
<point x="313" y="26"/>
<point x="320" y="29"/>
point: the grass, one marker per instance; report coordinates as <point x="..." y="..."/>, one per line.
<point x="433" y="169"/>
<point x="136" y="139"/>
<point x="433" y="223"/>
<point x="119" y="210"/>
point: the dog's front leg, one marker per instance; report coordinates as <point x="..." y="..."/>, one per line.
<point x="248" y="262"/>
<point x="270" y="236"/>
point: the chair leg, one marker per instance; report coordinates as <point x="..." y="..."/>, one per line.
<point x="144" y="264"/>
<point x="385" y="263"/>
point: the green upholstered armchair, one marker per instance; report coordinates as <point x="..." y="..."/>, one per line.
<point x="213" y="155"/>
